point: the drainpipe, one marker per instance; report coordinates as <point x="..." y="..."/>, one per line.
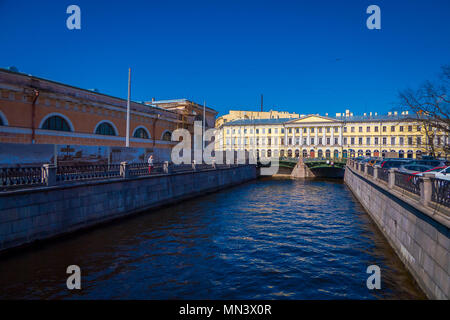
<point x="154" y="130"/>
<point x="33" y="115"/>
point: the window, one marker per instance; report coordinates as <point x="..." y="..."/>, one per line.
<point x="282" y="130"/>
<point x="141" y="133"/>
<point x="269" y="131"/>
<point x="368" y="129"/>
<point x="353" y="129"/>
<point x="384" y="128"/>
<point x="228" y="131"/>
<point x="304" y="130"/>
<point x="304" y="141"/>
<point x="409" y="128"/>
<point x="297" y="130"/>
<point x="345" y="140"/>
<point x="312" y="140"/>
<point x="410" y="141"/>
<point x="376" y="129"/>
<point x="320" y="140"/>
<point x="320" y="130"/>
<point x="312" y="130"/>
<point x="55" y="123"/>
<point x="276" y="130"/>
<point x="290" y="130"/>
<point x="401" y="128"/>
<point x="335" y="140"/>
<point x="392" y="128"/>
<point x="263" y="130"/>
<point x="167" y="136"/>
<point x="368" y="141"/>
<point x="352" y="140"/>
<point x="328" y="141"/>
<point x="376" y="140"/>
<point x="360" y="129"/>
<point x="328" y="130"/>
<point x="419" y="128"/>
<point x="384" y="140"/>
<point x="245" y="131"/>
<point x="360" y="140"/>
<point x="393" y="141"/>
<point x="345" y="129"/>
<point x="402" y="141"/>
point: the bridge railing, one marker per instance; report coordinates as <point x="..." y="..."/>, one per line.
<point x="429" y="190"/>
<point x="49" y="175"/>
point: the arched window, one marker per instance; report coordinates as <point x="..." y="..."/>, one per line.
<point x="56" y="123"/>
<point x="3" y="120"/>
<point x="269" y="153"/>
<point x="320" y="153"/>
<point x="352" y="153"/>
<point x="281" y="153"/>
<point x="401" y="154"/>
<point x="336" y="154"/>
<point x="410" y="154"/>
<point x="328" y="154"/>
<point x="418" y="154"/>
<point x="383" y="153"/>
<point x="297" y="153"/>
<point x="312" y="154"/>
<point x="141" y="133"/>
<point x="344" y="154"/>
<point x="167" y="136"/>
<point x="305" y="153"/>
<point x="360" y="153"/>
<point x="105" y="129"/>
<point x="376" y="153"/>
<point x="368" y="153"/>
<point x="289" y="153"/>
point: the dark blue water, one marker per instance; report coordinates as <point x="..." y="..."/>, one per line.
<point x="269" y="239"/>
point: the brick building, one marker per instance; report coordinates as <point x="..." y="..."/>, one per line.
<point x="40" y="111"/>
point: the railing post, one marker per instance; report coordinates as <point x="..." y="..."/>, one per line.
<point x="166" y="167"/>
<point x="124" y="170"/>
<point x="426" y="190"/>
<point x="48" y="174"/>
<point x="366" y="169"/>
<point x="194" y="168"/>
<point x="391" y="178"/>
<point x="375" y="172"/>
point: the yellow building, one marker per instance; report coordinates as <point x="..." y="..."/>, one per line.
<point x="342" y="136"/>
<point x="243" y="115"/>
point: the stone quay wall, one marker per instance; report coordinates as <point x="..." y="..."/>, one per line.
<point x="418" y="233"/>
<point x="40" y="213"/>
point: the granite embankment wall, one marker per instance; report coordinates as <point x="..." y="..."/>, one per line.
<point x="44" y="212"/>
<point x="419" y="236"/>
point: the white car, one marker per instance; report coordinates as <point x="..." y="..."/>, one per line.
<point x="439" y="172"/>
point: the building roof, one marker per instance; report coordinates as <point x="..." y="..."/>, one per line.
<point x="242" y="122"/>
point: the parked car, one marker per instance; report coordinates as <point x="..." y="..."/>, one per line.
<point x="414" y="168"/>
<point x="430" y="162"/>
<point x="393" y="163"/>
<point x="439" y="172"/>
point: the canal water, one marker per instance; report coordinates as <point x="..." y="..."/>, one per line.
<point x="268" y="239"/>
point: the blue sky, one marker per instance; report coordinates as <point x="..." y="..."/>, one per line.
<point x="304" y="56"/>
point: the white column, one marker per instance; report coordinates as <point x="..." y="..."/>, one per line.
<point x="316" y="135"/>
<point x="332" y="136"/>
<point x="308" y="138"/>
<point x="340" y="136"/>
<point x="324" y="138"/>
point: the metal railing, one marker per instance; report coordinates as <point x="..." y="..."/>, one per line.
<point x="370" y="171"/>
<point x="87" y="172"/>
<point x="383" y="174"/>
<point x="142" y="169"/>
<point x="48" y="175"/>
<point x="408" y="182"/>
<point x="440" y="191"/>
<point x="20" y="176"/>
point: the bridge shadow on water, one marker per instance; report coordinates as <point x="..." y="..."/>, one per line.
<point x="273" y="238"/>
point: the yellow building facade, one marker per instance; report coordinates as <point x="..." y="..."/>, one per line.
<point x="343" y="136"/>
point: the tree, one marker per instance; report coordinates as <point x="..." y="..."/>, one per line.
<point x="431" y="105"/>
